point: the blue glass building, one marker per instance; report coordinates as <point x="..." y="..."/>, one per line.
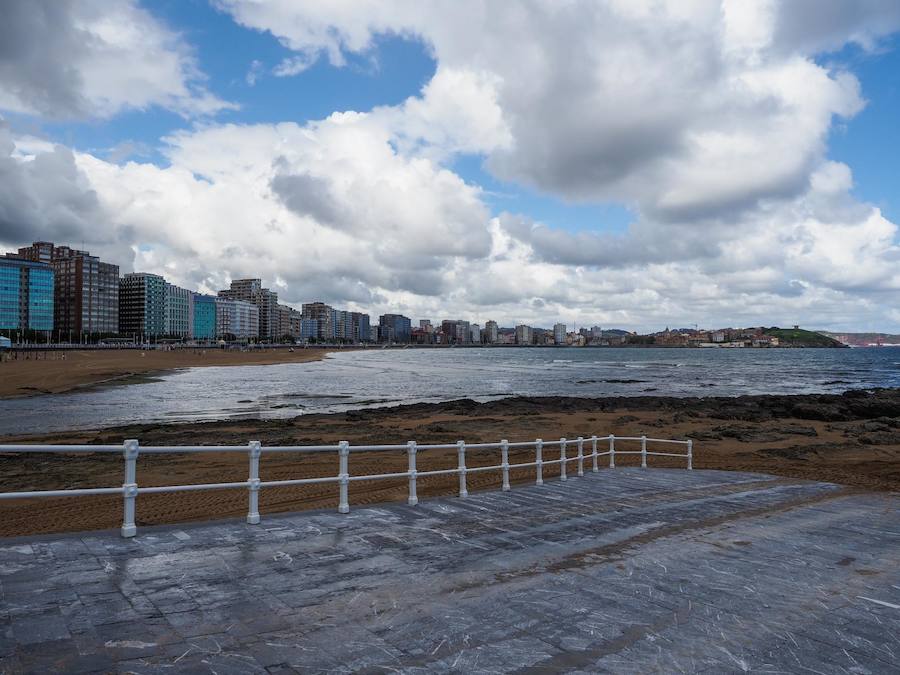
<point x="26" y="295"/>
<point x="204" y="317"/>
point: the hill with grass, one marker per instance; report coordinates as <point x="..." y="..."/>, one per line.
<point x="798" y="337"/>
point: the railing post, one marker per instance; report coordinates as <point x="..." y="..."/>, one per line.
<point x="344" y="476"/>
<point x="411" y="450"/>
<point x="539" y="461"/>
<point x="595" y="468"/>
<point x="690" y="455"/>
<point x="461" y="451"/>
<point x="643" y="452"/>
<point x="612" y="451"/>
<point x="254" y="451"/>
<point x="580" y="456"/>
<point x="562" y="457"/>
<point x="129" y="487"/>
<point x="504" y="462"/>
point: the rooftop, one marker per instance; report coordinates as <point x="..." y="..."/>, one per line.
<point x="621" y="570"/>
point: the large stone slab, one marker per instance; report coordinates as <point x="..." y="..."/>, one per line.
<point x="624" y="570"/>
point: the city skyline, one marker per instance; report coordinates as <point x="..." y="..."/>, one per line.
<point x="594" y="163"/>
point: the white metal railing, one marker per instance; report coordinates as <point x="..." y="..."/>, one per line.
<point x="131" y="449"/>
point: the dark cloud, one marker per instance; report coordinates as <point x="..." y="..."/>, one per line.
<point x="44" y="198"/>
<point x="38" y="45"/>
<point x="310" y="196"/>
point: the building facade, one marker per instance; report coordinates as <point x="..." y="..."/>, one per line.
<point x="324" y="317"/>
<point x="236" y="319"/>
<point x="524" y="335"/>
<point x="179" y="312"/>
<point x="142" y="305"/>
<point x="491" y="333"/>
<point x="204" y="311"/>
<point x="26" y="295"/>
<point x="398" y="327"/>
<point x="86" y="289"/>
<point x="559" y="333"/>
<point x="251" y="290"/>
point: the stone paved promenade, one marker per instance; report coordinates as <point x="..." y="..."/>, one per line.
<point x="622" y="571"/>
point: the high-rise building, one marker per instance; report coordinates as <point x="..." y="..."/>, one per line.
<point x="236" y="319"/>
<point x="142" y="305"/>
<point x="559" y="333"/>
<point x="324" y="316"/>
<point x="524" y="335"/>
<point x="204" y="311"/>
<point x="362" y="328"/>
<point x="491" y="333"/>
<point x="251" y="290"/>
<point x="179" y="311"/>
<point x="456" y="331"/>
<point x="475" y="334"/>
<point x="400" y="327"/>
<point x="86" y="289"/>
<point x="26" y="295"/>
<point x="425" y="325"/>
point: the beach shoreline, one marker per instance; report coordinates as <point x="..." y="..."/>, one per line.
<point x="47" y="372"/>
<point x="851" y="439"/>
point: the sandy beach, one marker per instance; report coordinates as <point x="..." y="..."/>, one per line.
<point x="852" y="439"/>
<point x="48" y="373"/>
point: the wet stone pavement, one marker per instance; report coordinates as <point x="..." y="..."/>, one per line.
<point x="625" y="570"/>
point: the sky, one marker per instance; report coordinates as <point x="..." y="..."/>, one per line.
<point x="624" y="163"/>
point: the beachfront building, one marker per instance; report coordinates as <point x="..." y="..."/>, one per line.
<point x="142" y="305"/>
<point x="362" y="328"/>
<point x="179" y="312"/>
<point x="559" y="333"/>
<point x="236" y="319"/>
<point x="395" y="328"/>
<point x="204" y="311"/>
<point x="524" y="335"/>
<point x="26" y="295"/>
<point x="456" y="331"/>
<point x="85" y="289"/>
<point x="309" y="329"/>
<point x="324" y="317"/>
<point x="251" y="290"/>
<point x="491" y="333"/>
<point x="288" y="322"/>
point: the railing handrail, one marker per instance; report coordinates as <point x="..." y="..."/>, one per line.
<point x="131" y="450"/>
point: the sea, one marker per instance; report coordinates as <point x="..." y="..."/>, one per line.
<point x="386" y="377"/>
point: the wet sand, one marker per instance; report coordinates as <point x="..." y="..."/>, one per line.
<point x="49" y="373"/>
<point x="851" y="439"/>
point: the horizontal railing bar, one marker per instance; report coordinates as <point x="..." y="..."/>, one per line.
<point x="382" y="476"/>
<point x="476" y="469"/>
<point x="167" y="449"/>
<point x="300" y="448"/>
<point x="190" y="488"/>
<point x="628" y="452"/>
<point x="300" y="481"/>
<point x="666" y="454"/>
<point x="552" y="461"/>
<point x="60" y="448"/>
<point x="61" y="493"/>
<point x="526" y="464"/>
<point x="649" y="440"/>
<point x="439" y="472"/>
<point x="427" y="446"/>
